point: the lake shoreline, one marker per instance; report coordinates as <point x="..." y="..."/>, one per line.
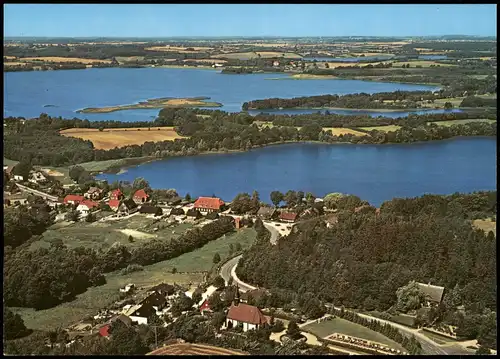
<point x="138" y="161"/>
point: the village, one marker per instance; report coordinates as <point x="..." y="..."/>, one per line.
<point x="162" y="304"/>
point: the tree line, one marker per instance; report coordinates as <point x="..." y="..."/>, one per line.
<point x="39" y="142"/>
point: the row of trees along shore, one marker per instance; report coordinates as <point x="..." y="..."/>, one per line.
<point x="39" y="142"/>
<point x="381" y="100"/>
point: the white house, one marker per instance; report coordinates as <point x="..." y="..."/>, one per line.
<point x="246" y="316"/>
<point x="141" y="314"/>
<point x="37" y="177"/>
<point x="127" y="288"/>
<point x="18" y="178"/>
<point x="85" y="206"/>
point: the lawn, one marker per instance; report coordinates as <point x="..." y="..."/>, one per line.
<point x="201" y="259"/>
<point x="339" y="325"/>
<point x="7" y="162"/>
<point x="389" y="128"/>
<point x="120" y="137"/>
<point x="486" y="225"/>
<point x="99" y="166"/>
<point x="96" y="298"/>
<point x="105" y="234"/>
<point x="461" y="122"/>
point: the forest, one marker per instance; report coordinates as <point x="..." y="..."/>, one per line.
<point x="38" y="141"/>
<point x="361" y="261"/>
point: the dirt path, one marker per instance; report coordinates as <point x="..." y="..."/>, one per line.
<point x="136" y="234"/>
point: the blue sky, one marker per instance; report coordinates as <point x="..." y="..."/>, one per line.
<point x="148" y="20"/>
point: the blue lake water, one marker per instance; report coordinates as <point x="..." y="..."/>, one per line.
<point x="347" y="112"/>
<point x="27" y="93"/>
<point x="373" y="172"/>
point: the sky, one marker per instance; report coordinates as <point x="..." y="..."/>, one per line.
<point x="170" y="20"/>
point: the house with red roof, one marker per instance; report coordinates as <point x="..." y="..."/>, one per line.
<point x="246" y="316"/>
<point x="205" y="307"/>
<point x="114" y="204"/>
<point x="140" y="196"/>
<point x="288" y="216"/>
<point x="73" y="199"/>
<point x="208" y="204"/>
<point x="85" y="206"/>
<point x="116" y="194"/>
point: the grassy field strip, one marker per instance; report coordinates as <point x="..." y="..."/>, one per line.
<point x="342" y="326"/>
<point x="461" y="122"/>
<point x="388" y="128"/>
<point x="120" y="137"/>
<point x="337" y="131"/>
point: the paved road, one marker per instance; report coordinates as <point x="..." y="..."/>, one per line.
<point x="228" y="269"/>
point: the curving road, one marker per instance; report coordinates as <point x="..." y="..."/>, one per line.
<point x="228" y="270"/>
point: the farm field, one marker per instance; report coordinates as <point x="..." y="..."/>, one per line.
<point x="339" y="325"/>
<point x="337" y="131"/>
<point x="461" y="122"/>
<point x="181" y="50"/>
<point x="422" y="63"/>
<point x="119" y="137"/>
<point x="486" y="225"/>
<point x="388" y="128"/>
<point x="63" y="59"/>
<point x="105" y="234"/>
<point x="254" y="55"/>
<point x="333" y="65"/>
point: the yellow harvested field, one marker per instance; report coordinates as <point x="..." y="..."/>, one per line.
<point x="263" y="54"/>
<point x="110" y="138"/>
<point x="14" y="63"/>
<point x="337" y="131"/>
<point x="9" y="57"/>
<point x="389" y="128"/>
<point x="261" y="44"/>
<point x="422" y="63"/>
<point x="486" y="225"/>
<point x="178" y="49"/>
<point x="63" y="59"/>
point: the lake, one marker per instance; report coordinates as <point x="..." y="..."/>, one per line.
<point x="350" y="112"/>
<point x="375" y="173"/>
<point x="28" y="93"/>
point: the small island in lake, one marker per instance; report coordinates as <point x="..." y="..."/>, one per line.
<point x="156" y="103"/>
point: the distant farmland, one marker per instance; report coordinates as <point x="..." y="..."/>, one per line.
<point x="119" y="137"/>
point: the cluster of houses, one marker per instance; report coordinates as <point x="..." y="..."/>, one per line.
<point x="158" y="300"/>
